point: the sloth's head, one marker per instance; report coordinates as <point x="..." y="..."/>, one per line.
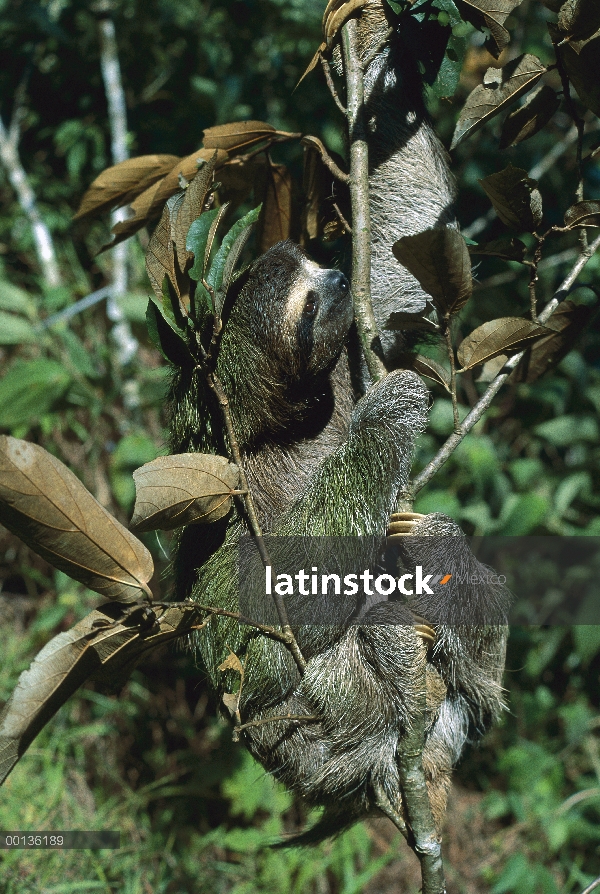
<point x="296" y="313"/>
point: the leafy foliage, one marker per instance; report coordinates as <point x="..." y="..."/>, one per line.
<point x="530" y="466"/>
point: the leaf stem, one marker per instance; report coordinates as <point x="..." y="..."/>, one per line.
<point x="331" y="85"/>
<point x="328" y="161"/>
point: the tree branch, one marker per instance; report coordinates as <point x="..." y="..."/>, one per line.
<point x="361" y="218"/>
<point x="494" y="387"/>
<point x="427" y="844"/>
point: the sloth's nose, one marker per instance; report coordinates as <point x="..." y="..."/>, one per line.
<point x="338" y="281"/>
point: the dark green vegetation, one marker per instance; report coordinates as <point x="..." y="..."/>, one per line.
<point x="152" y="763"/>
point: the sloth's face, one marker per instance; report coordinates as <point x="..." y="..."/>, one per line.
<point x="298" y="313"/>
<point x="318" y="314"/>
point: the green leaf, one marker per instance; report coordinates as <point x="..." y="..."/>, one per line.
<point x="217" y="268"/>
<point x="449" y="14"/>
<point x="77" y="353"/>
<point x="587" y="641"/>
<point x="196" y="242"/>
<point x="29" y="390"/>
<point x="567" y="430"/>
<point x="133" y="305"/>
<point x="15" y="330"/>
<point x="449" y="74"/>
<point x="526" y="514"/>
<point x="16" y="299"/>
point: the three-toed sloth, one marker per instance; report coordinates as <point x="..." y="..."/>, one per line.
<point x="321" y="464"/>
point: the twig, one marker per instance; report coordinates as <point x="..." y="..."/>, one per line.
<point x="595" y="884"/>
<point x="214" y="383"/>
<point x="450" y="350"/>
<point x="494" y="387"/>
<point x="426" y="845"/>
<point x="328" y="161"/>
<point x="383" y="803"/>
<point x="361" y="219"/>
<point x="342" y="219"/>
<point x="305" y="718"/>
<point x="331" y="85"/>
<point x="268" y="631"/>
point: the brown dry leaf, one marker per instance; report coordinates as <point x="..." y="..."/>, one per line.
<point x="185" y="489"/>
<point x="583" y="68"/>
<point x="427" y="367"/>
<point x="439" y="260"/>
<point x="238" y="178"/>
<point x="240" y="135"/>
<point x="120" y="184"/>
<point x="232" y="662"/>
<point x="501" y="87"/>
<point x="497" y="337"/>
<point x="579" y="19"/>
<point x="509" y="248"/>
<point x="150" y="203"/>
<point x="276" y="215"/>
<point x="106" y="644"/>
<point x="321" y="190"/>
<point x="534" y="114"/>
<point x="43" y="503"/>
<point x="191" y="207"/>
<point x="515" y="197"/>
<point x="336" y="15"/>
<point x="492" y="14"/>
<point x="187" y="168"/>
<point x="583" y="214"/>
<point x="231" y="703"/>
<point x="567" y="323"/>
<point x="314" y="190"/>
<point x="160" y="256"/>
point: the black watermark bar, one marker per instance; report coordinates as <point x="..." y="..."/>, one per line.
<point x="52" y="841"/>
<point x="453" y="580"/>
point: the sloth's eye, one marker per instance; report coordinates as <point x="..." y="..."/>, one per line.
<point x="311" y="306"/>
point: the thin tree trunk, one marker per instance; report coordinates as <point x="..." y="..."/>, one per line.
<point x="117" y="114"/>
<point x="42" y="238"/>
